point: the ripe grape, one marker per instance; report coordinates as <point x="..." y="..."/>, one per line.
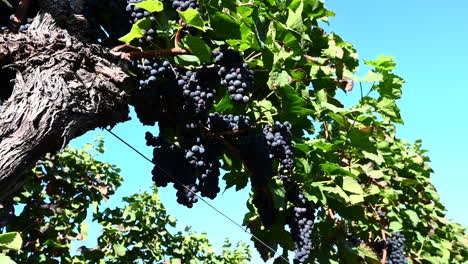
<point x="301" y="222"/>
<point x="234" y="73"/>
<point x="278" y="138"/>
<point x="183" y="5"/>
<point x="395" y="248"/>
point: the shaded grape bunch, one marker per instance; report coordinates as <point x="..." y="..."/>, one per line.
<point x="183" y="5"/>
<point x="218" y="123"/>
<point x="171" y="166"/>
<point x="301" y="222"/>
<point x="198" y="96"/>
<point x="254" y="152"/>
<point x="157" y="94"/>
<point x="395" y="249"/>
<point x="202" y="156"/>
<point x="150" y="70"/>
<point x="234" y="73"/>
<point x="137" y="12"/>
<point x="278" y="138"/>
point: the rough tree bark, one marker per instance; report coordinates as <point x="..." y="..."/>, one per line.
<point x="64" y="87"/>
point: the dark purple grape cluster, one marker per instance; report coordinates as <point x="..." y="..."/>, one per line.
<point x="234" y="73"/>
<point x="202" y="156"/>
<point x="193" y="163"/>
<point x="183" y="5"/>
<point x="137" y="12"/>
<point x="198" y="92"/>
<point x="301" y="222"/>
<point x="395" y="249"/>
<point x="278" y="138"/>
<point x="150" y="70"/>
<point x="218" y="123"/>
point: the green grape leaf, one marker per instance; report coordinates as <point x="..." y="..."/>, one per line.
<point x="150" y="5"/>
<point x="199" y="48"/>
<point x="11" y="241"/>
<point x="136" y="31"/>
<point x="413" y="216"/>
<point x="192" y="17"/>
<point x="187" y="60"/>
<point x="119" y="250"/>
<point x="6" y="260"/>
<point x="224" y="26"/>
<point x="352" y="185"/>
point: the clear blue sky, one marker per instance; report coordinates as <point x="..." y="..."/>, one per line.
<point x="429" y="40"/>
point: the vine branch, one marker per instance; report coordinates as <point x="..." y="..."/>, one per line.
<point x="150" y="53"/>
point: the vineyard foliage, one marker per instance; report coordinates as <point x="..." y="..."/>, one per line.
<point x="251" y="87"/>
<point x="47" y="219"/>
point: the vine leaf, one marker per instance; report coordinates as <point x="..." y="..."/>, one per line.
<point x="192" y="17"/>
<point x="6" y="260"/>
<point x="351" y="185"/>
<point x="150" y="5"/>
<point x="136" y="31"/>
<point x="10" y="241"/>
<point x="199" y="48"/>
<point x="224" y="27"/>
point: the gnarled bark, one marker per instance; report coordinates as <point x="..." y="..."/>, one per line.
<point x="63" y="88"/>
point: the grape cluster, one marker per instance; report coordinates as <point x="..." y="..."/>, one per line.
<point x="234" y="73"/>
<point x="193" y="164"/>
<point x="138" y="13"/>
<point x="183" y="5"/>
<point x="218" y="123"/>
<point x="150" y="70"/>
<point x="301" y="222"/>
<point x="395" y="248"/>
<point x="198" y="92"/>
<point x="157" y="94"/>
<point x="278" y="138"/>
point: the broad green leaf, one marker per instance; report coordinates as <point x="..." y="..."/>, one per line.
<point x="192" y="17"/>
<point x="413" y="216"/>
<point x="187" y="60"/>
<point x="371" y="77"/>
<point x="199" y="48"/>
<point x="368" y="253"/>
<point x="224" y="26"/>
<point x="261" y="26"/>
<point x="150" y="5"/>
<point x="356" y="198"/>
<point x="295" y="20"/>
<point x="279" y="193"/>
<point x="119" y="250"/>
<point x="6" y="260"/>
<point x="375" y="157"/>
<point x="236" y="178"/>
<point x="292" y="103"/>
<point x="389" y="108"/>
<point x="11" y="241"/>
<point x="352" y="185"/>
<point x="395" y="226"/>
<point x="383" y="64"/>
<point x="136" y="31"/>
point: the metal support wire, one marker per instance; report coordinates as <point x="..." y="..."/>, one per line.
<point x="198" y="196"/>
